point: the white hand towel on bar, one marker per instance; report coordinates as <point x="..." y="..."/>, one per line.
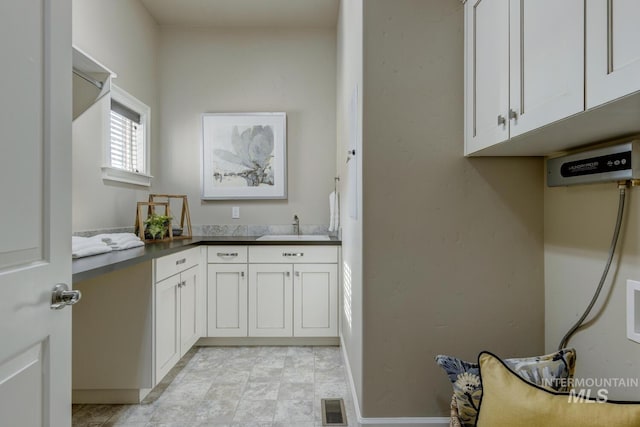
<point x="334" y="211"/>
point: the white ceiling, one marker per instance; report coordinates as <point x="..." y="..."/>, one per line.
<point x="244" y="13"/>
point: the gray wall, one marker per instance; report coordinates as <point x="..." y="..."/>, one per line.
<point x="250" y="70"/>
<point x="349" y="66"/>
<point x="453" y="247"/>
<point x="579" y="223"/>
<point x="121" y="35"/>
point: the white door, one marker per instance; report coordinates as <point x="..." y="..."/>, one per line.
<point x="315" y="300"/>
<point x="613" y="59"/>
<point x="546" y="62"/>
<point x="227" y="300"/>
<point x="35" y="211"/>
<point x="486" y="73"/>
<point x="270" y="300"/>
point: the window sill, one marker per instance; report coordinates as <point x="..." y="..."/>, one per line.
<point x="119" y="175"/>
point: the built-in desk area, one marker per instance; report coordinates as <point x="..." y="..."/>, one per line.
<point x="131" y="325"/>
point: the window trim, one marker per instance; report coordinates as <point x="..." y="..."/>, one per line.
<point x="111" y="173"/>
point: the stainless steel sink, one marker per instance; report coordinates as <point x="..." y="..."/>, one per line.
<point x="311" y="237"/>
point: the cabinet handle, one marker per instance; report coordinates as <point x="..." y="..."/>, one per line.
<point x="297" y="274"/>
<point x="501" y="120"/>
<point x="513" y="114"/>
<point x="242" y="274"/>
<point x="229" y="254"/>
<point x="297" y="254"/>
<point x="181" y="261"/>
<point x="288" y="274"/>
<point x="181" y="284"/>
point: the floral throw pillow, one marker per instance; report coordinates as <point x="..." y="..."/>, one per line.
<point x="551" y="371"/>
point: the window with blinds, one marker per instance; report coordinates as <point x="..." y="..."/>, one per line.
<point x="127" y="138"/>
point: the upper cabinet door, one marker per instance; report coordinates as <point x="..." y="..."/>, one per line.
<point x="487" y="73"/>
<point x="546" y="62"/>
<point x="613" y="51"/>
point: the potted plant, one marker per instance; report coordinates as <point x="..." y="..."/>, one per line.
<point x="157" y="226"/>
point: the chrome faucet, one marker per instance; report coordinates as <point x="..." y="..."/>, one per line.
<point x="296" y="225"/>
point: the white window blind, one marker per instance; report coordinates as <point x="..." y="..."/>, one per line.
<point x="127" y="139"/>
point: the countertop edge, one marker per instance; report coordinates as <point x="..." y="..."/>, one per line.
<point x="96" y="265"/>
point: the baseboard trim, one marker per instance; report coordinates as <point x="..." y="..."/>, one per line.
<point x="109" y="396"/>
<point x="387" y="422"/>
<point x="400" y="422"/>
<point x="250" y="341"/>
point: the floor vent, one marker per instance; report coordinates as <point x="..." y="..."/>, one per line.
<point x="333" y="413"/>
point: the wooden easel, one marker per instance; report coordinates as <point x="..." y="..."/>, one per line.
<point x="185" y="218"/>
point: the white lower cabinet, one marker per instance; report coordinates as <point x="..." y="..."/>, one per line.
<point x="167" y="325"/>
<point x="272" y="291"/>
<point x="177" y="313"/>
<point x="270" y="300"/>
<point x="315" y="300"/>
<point x="189" y="312"/>
<point x="227" y="300"/>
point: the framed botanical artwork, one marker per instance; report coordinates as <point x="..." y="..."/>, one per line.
<point x="244" y="156"/>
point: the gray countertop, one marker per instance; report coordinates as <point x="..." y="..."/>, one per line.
<point x="92" y="266"/>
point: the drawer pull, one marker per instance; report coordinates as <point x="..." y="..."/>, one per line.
<point x="181" y="261"/>
<point x="229" y="254"/>
<point x="296" y="254"/>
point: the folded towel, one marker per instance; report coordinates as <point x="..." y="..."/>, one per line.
<point x="78" y="243"/>
<point x="127" y="245"/>
<point x="90" y="250"/>
<point x="118" y="238"/>
<point x="334" y="211"/>
<point x="84" y="244"/>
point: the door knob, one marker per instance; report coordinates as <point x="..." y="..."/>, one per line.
<point x="62" y="296"/>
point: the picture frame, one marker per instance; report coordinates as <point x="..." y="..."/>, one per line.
<point x="244" y="156"/>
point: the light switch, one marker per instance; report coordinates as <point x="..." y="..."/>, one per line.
<point x="235" y="212"/>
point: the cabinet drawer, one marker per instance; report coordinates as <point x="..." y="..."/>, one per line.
<point x="169" y="265"/>
<point x="227" y="254"/>
<point x="293" y="254"/>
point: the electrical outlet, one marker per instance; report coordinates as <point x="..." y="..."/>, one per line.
<point x="235" y="212"/>
<point x="633" y="310"/>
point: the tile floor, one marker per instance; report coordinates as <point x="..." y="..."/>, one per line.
<point x="236" y="387"/>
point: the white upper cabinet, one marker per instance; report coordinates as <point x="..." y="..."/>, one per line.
<point x="546" y="62"/>
<point x="487" y="73"/>
<point x="613" y="50"/>
<point x="524" y="67"/>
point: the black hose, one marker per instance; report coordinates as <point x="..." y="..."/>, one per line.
<point x="612" y="251"/>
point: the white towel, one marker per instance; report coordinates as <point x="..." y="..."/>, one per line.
<point x="334" y="211"/>
<point x="120" y="241"/>
<point x="103" y="243"/>
<point x="78" y="242"/>
<point x="127" y="245"/>
<point x="98" y="248"/>
<point x="116" y="239"/>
